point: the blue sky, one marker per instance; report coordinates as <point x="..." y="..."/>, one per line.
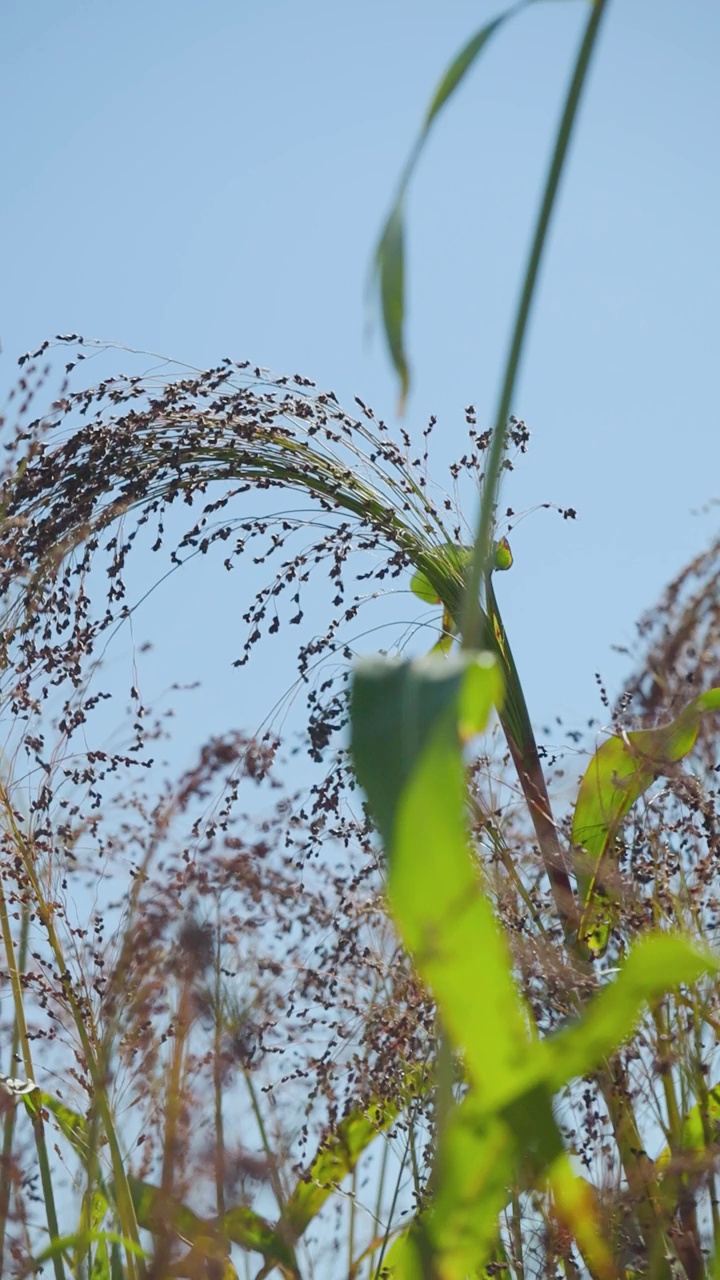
<point x="208" y="179"/>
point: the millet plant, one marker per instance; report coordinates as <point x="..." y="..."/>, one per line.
<point x="410" y="1021"/>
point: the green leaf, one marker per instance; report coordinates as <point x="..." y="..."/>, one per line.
<point x="460" y="66"/>
<point x="207" y="1238"/>
<point x="659" y="962"/>
<point x="389" y="259"/>
<point x="625" y="766"/>
<point x="82" y="1241"/>
<point x="693" y="1126"/>
<point x="396" y="706"/>
<point x="71" y="1123"/>
<point x="409" y="720"/>
<point x="481" y="1154"/>
<point x="390" y="267"/>
<point x="620" y="771"/>
<point x="476" y="1165"/>
<point x="575" y="1204"/>
<point x="339" y="1155"/>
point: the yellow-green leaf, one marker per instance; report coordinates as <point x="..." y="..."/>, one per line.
<point x="339" y="1155"/>
<point x="620" y="771"/>
<point x="657" y="963"/>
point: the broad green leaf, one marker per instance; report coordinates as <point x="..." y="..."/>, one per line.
<point x="396" y="706"/>
<point x="408" y="724"/>
<point x="389" y="261"/>
<point x="620" y="771"/>
<point x="409" y="721"/>
<point x="659" y="962"/>
<point x="205" y="1237"/>
<point x="459" y="1231"/>
<point x="481" y="1153"/>
<point x="150" y="1202"/>
<point x="446" y="921"/>
<point x="339" y="1155"/>
<point x="625" y="766"/>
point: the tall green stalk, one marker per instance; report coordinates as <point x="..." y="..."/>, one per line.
<point x="520" y="736"/>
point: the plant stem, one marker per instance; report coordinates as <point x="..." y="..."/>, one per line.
<point x="24" y="1042"/>
<point x="471" y="627"/>
<point x="217" y="1076"/>
<point x="9" y="1125"/>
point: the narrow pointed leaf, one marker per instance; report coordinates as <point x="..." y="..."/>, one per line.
<point x="339" y="1155"/>
<point x="83" y="1240"/>
<point x="390" y="267"/>
<point x="389" y="261"/>
<point x="460" y="66"/>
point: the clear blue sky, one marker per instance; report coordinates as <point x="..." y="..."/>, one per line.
<point x="208" y="180"/>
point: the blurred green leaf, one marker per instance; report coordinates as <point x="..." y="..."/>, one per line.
<point x="82" y="1241"/>
<point x="446" y="921"/>
<point x="389" y="260"/>
<point x="659" y="962"/>
<point x="396" y="706"/>
<point x="339" y="1155"/>
<point x="101" y="1262"/>
<point x="617" y="775"/>
<point x="71" y="1123"/>
<point x="207" y="1237"/>
<point x="475" y="1166"/>
<point x="625" y="766"/>
<point x="390" y="266"/>
<point x="481" y="1153"/>
<point x="576" y="1207"/>
<point x="693" y="1127"/>
<point x="245" y="1227"/>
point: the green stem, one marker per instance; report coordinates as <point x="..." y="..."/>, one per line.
<point x="24" y="1042"/>
<point x="474" y="627"/>
<point x="11" y="1113"/>
<point x="217" y="1076"/>
<point x="481" y="557"/>
<point x="269" y="1153"/>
